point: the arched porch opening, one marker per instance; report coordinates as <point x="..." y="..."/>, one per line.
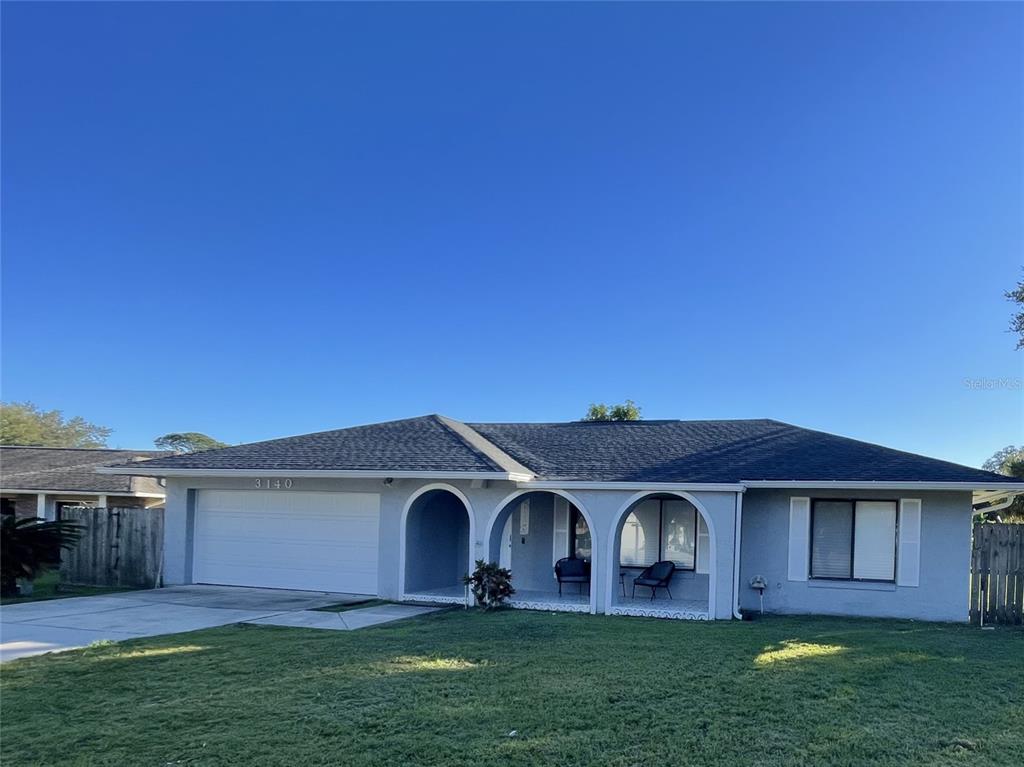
<point x="530" y="532"/>
<point x="437" y="535"/>
<point x="669" y="528"/>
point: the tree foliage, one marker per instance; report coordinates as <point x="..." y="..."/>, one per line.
<point x="1008" y="461"/>
<point x="187" y="442"/>
<point x="23" y="423"/>
<point x="1002" y="460"/>
<point x="1017" y="322"/>
<point x="30" y="546"/>
<point x="599" y="411"/>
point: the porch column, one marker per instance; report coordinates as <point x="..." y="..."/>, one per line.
<point x="101" y="502"/>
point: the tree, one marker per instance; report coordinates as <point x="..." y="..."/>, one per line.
<point x="1008" y="461"/>
<point x="1017" y="322"/>
<point x="30" y="546"/>
<point x="23" y="423"/>
<point x="627" y="411"/>
<point x="1001" y="460"/>
<point x="187" y="442"/>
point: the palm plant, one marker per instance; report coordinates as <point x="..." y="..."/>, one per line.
<point x="30" y="546"/>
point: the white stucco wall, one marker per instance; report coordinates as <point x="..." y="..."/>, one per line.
<point x="944" y="561"/>
<point x="605" y="508"/>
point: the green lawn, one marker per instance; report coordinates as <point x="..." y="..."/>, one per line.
<point x="48" y="586"/>
<point x="450" y="688"/>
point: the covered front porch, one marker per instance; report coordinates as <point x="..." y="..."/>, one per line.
<point x="661" y="560"/>
<point x="545" y="541"/>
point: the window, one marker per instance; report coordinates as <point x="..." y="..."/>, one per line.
<point x="580" y="543"/>
<point x="657" y="530"/>
<point x="853" y="540"/>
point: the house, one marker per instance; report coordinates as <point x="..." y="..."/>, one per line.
<point x="401" y="510"/>
<point x="42" y="481"/>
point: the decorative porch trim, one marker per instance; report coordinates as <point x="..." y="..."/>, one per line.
<point x="443" y="600"/>
<point x="551" y="607"/>
<point x="659" y="612"/>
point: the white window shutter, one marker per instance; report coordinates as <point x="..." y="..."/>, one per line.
<point x="908" y="562"/>
<point x="799" y="537"/>
<point x="560" y="538"/>
<point x="703" y="545"/>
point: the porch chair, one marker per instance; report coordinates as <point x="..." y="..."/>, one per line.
<point x="657" y="576"/>
<point x="572" y="570"/>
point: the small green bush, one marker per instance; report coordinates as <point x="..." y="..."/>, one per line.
<point x="491" y="584"/>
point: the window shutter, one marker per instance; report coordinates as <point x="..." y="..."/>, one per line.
<point x="874" y="548"/>
<point x="703" y="545"/>
<point x="560" y="538"/>
<point x="799" y="532"/>
<point x="908" y="564"/>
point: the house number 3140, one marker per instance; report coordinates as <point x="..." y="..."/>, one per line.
<point x="273" y="484"/>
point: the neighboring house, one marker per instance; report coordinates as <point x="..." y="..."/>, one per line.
<point x="401" y="510"/>
<point x="42" y="481"/>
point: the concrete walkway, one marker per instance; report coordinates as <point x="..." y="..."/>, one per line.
<point x="344" y="621"/>
<point x="33" y="628"/>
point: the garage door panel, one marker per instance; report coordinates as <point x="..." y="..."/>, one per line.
<point x="233" y="524"/>
<point x="295" y="540"/>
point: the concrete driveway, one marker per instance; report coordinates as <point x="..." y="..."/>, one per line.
<point x="33" y="628"/>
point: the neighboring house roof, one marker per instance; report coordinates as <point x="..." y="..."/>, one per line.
<point x="585" y="451"/>
<point x="58" y="469"/>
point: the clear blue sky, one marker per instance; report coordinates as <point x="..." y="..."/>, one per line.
<point x="260" y="220"/>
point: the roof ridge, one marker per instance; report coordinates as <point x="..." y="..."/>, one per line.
<point x="638" y="421"/>
<point x="480" y="444"/>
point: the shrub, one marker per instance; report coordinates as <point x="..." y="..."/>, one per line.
<point x="30" y="546"/>
<point x="491" y="584"/>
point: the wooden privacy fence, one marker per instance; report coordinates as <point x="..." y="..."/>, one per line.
<point x="119" y="547"/>
<point x="997" y="574"/>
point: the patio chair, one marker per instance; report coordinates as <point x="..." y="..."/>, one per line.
<point x="572" y="570"/>
<point x="657" y="576"/>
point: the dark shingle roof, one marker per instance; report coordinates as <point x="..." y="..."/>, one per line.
<point x="711" y="451"/>
<point x="622" y="451"/>
<point x="56" y="468"/>
<point x="412" y="444"/>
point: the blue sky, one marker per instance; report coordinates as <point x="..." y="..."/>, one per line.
<point x="260" y="220"/>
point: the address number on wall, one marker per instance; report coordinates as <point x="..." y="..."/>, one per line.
<point x="274" y="484"/>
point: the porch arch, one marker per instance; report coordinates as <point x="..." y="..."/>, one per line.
<point x="461" y="558"/>
<point x="614" y="542"/>
<point x="504" y="508"/>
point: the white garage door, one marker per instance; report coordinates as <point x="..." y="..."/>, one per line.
<point x="287" y="540"/>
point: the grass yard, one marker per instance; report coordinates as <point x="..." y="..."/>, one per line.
<point x="450" y="688"/>
<point x="48" y="586"/>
